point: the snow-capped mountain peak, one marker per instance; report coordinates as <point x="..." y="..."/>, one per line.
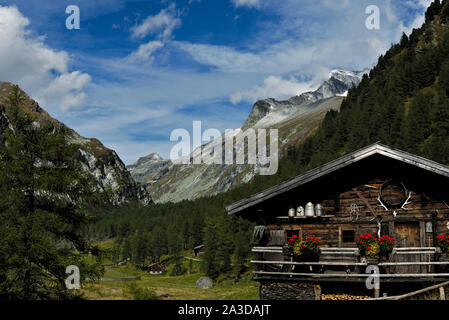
<point x="347" y="77"/>
<point x="270" y="111"/>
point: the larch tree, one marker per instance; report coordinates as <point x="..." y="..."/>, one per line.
<point x="43" y="191"/>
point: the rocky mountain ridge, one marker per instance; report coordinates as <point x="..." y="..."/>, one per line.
<point x="107" y="169"/>
<point x="295" y="118"/>
<point x="338" y="83"/>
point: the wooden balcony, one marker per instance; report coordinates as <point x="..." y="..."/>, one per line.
<point x="345" y="265"/>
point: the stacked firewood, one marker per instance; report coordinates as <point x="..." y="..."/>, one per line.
<point x="343" y="296"/>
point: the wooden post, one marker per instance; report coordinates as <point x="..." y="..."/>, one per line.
<point x="377" y="289"/>
<point x="422" y="240"/>
<point x="442" y="294"/>
<point x="377" y="285"/>
<point x="317" y="291"/>
<point x="340" y="237"/>
<point x="430" y="267"/>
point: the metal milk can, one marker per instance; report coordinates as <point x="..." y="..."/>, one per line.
<point x="319" y="211"/>
<point x="291" y="212"/>
<point x="310" y="210"/>
<point x="300" y="211"/>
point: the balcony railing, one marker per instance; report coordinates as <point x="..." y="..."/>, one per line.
<point x="346" y="265"/>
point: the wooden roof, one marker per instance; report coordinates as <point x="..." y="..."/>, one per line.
<point x="374" y="149"/>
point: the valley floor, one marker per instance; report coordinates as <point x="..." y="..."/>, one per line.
<point x="170" y="288"/>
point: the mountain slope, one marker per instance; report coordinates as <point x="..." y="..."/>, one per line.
<point x="108" y="171"/>
<point x="296" y="118"/>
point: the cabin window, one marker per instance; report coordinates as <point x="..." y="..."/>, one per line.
<point x="348" y="236"/>
<point x="278" y="237"/>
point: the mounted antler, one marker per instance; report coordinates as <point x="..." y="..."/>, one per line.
<point x="381" y="203"/>
<point x="407" y="201"/>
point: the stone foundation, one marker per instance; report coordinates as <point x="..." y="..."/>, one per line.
<point x="272" y="290"/>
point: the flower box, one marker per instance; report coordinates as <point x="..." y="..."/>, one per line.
<point x="443" y="242"/>
<point x="308" y="256"/>
<point x="375" y="250"/>
<point x="302" y="250"/>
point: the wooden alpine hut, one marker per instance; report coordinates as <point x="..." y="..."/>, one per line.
<point x="377" y="206"/>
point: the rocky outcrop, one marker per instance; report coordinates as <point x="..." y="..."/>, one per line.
<point x="148" y="168"/>
<point x="3" y="119"/>
<point x="110" y="173"/>
<point x="106" y="168"/>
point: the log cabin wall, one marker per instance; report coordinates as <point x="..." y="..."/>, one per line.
<point x="426" y="208"/>
<point x="336" y="231"/>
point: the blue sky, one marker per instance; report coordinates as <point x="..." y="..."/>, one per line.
<point x="136" y="70"/>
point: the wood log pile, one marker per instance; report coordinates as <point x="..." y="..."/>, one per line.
<point x="343" y="296"/>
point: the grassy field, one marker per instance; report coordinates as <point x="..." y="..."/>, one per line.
<point x="168" y="287"/>
<point x="172" y="288"/>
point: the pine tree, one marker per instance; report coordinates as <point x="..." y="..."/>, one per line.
<point x="176" y="252"/>
<point x="226" y="267"/>
<point x="140" y="250"/>
<point x="209" y="263"/>
<point x="418" y="122"/>
<point x="42" y="190"/>
<point x="242" y="250"/>
<point x="126" y="249"/>
<point x="433" y="10"/>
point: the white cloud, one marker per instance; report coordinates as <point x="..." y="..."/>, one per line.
<point x="67" y="89"/>
<point x="419" y="19"/>
<point x="273" y="87"/>
<point x="223" y="57"/>
<point x="145" y="52"/>
<point x="246" y="3"/>
<point x="161" y="24"/>
<point x="336" y="4"/>
<point x="278" y="58"/>
<point x="37" y="68"/>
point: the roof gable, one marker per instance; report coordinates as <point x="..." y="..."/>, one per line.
<point x="374" y="149"/>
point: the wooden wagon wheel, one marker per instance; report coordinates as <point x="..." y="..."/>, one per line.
<point x="393" y="193"/>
